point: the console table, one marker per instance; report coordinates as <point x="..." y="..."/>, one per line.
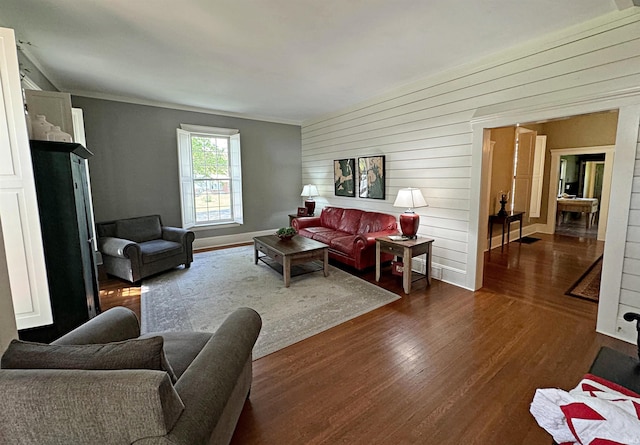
<point x="506" y="221"/>
<point x="406" y="249"/>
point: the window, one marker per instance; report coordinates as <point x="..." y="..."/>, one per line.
<point x="210" y="176"/>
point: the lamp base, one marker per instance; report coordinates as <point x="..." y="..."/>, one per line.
<point x="310" y="204"/>
<point x="502" y="211"/>
<point x="409" y="223"/>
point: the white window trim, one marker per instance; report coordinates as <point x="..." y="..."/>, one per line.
<point x="185" y="167"/>
<point x="213" y="131"/>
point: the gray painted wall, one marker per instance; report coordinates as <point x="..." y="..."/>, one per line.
<point x="134" y="170"/>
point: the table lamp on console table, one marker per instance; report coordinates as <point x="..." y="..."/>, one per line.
<point x="310" y="191"/>
<point x="410" y="198"/>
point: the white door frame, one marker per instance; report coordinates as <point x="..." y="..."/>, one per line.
<point x="628" y="105"/>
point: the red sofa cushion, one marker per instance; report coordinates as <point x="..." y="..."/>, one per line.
<point x="331" y="216"/>
<point x="310" y="232"/>
<point x="328" y="237"/>
<point x="376" y="222"/>
<point x="350" y="221"/>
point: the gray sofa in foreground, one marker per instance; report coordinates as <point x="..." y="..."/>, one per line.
<point x="135" y="248"/>
<point x="212" y="373"/>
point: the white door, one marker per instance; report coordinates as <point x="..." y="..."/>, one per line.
<point x="19" y="216"/>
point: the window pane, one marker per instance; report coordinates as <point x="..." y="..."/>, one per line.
<point x="212" y="200"/>
<point x="210" y="156"/>
<point x="211" y="179"/>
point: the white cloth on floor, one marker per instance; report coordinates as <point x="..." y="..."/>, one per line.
<point x="595" y="410"/>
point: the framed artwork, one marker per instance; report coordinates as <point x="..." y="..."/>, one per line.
<point x="302" y="211"/>
<point x="371" y="173"/>
<point x="344" y="177"/>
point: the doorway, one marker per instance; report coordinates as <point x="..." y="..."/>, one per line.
<point x="628" y="107"/>
<point x="573" y="184"/>
<point x="581" y="177"/>
<point x="583" y="173"/>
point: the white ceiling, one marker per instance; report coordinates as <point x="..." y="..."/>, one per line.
<point x="280" y="60"/>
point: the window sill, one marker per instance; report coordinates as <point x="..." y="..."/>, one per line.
<point x="212" y="226"/>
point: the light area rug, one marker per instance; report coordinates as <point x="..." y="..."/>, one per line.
<point x="218" y="282"/>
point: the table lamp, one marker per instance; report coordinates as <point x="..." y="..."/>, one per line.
<point x="410" y="198"/>
<point x="310" y="191"/>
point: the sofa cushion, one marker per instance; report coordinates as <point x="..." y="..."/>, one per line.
<point x="344" y="244"/>
<point x="140" y="229"/>
<point x="376" y="222"/>
<point x="310" y="232"/>
<point x="350" y="221"/>
<point x="158" y="249"/>
<point x="327" y="237"/>
<point x="330" y="217"/>
<point x="145" y="353"/>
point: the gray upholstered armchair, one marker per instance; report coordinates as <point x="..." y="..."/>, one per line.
<point x="135" y="248"/>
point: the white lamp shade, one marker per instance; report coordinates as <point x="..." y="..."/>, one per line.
<point x="410" y="198"/>
<point x="309" y="190"/>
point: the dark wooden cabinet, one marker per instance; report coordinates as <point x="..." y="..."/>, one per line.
<point x="64" y="204"/>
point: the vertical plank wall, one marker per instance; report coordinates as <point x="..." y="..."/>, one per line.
<point x="424" y="129"/>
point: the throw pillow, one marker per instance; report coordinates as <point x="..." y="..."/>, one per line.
<point x="145" y="353"/>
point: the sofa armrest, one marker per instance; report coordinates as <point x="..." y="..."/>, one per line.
<point x="119" y="247"/>
<point x="177" y="234"/>
<point x="89" y="407"/>
<point x="305" y="221"/>
<point x="207" y="384"/>
<point x="368" y="239"/>
<point x="115" y="324"/>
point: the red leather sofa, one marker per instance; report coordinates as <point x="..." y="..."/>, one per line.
<point x="350" y="234"/>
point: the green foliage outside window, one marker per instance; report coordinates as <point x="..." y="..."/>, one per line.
<point x="210" y="157"/>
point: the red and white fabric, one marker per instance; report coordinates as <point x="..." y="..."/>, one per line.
<point x="596" y="412"/>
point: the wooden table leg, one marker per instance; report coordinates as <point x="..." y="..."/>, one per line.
<point x="255" y="253"/>
<point x="406" y="271"/>
<point x="490" y="230"/>
<point x="428" y="265"/>
<point x="326" y="262"/>
<point x="504" y="223"/>
<point x="520" y="231"/>
<point x="286" y="270"/>
<point x="377" y="260"/>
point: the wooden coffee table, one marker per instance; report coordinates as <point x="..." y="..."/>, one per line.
<point x="288" y="253"/>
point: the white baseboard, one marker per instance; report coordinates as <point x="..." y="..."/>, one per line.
<point x="228" y="240"/>
<point x="515" y="234"/>
<point x="439" y="272"/>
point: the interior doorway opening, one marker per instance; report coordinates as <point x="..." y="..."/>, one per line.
<point x="573" y="165"/>
<point x="581" y="177"/>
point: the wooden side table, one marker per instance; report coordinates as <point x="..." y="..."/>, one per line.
<point x="407" y="249"/>
<point x="506" y="221"/>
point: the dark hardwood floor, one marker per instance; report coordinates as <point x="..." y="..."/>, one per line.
<point x="575" y="224"/>
<point x="442" y="365"/>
